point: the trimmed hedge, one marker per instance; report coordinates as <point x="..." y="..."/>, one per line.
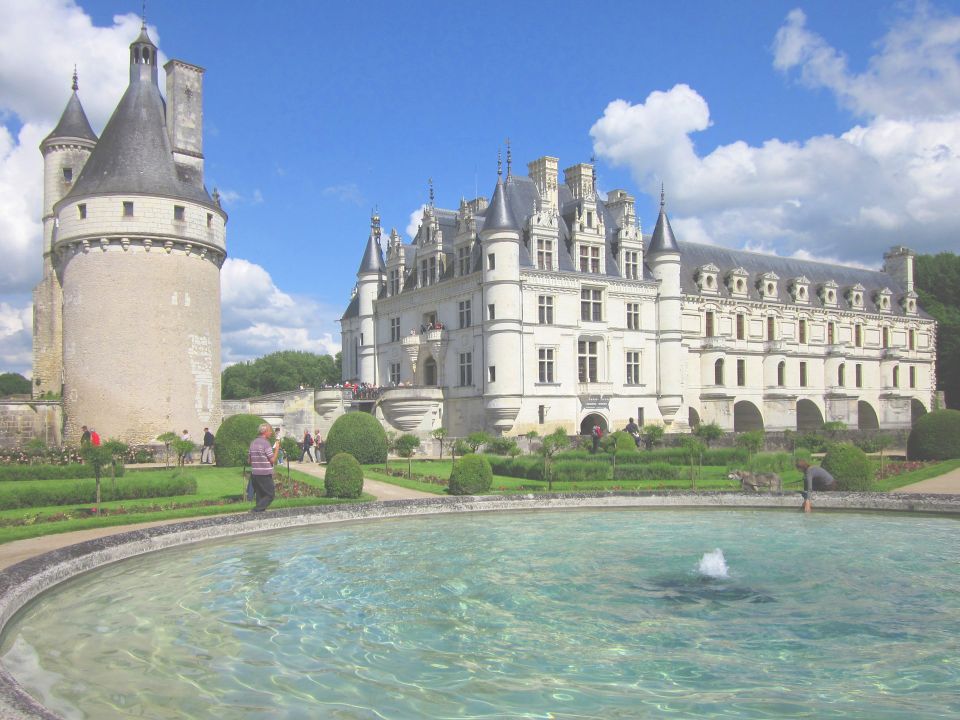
<point x="649" y="472"/>
<point x="73" y="471"/>
<point x="15" y="496"/>
<point x="471" y="475"/>
<point x="359" y="434"/>
<point x="850" y="467"/>
<point x="935" y="436"/>
<point x="530" y="468"/>
<point x="231" y="444"/>
<point x="675" y="456"/>
<point x="579" y="471"/>
<point x="344" y="477"/>
<point x="624" y="441"/>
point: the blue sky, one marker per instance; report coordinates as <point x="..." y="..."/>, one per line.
<point x="820" y="129"/>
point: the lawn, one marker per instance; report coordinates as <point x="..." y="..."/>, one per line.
<point x="219" y="490"/>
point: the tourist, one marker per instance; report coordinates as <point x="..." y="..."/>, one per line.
<point x="85" y="436"/>
<point x="206" y="455"/>
<point x="596" y="433"/>
<point x="188" y="455"/>
<point x="262" y="458"/>
<point x="307" y="447"/>
<point x="318" y="446"/>
<point x="814" y="478"/>
<point x="94" y="438"/>
<point x="634" y="431"/>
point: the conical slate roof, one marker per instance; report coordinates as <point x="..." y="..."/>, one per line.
<point x="662" y="239"/>
<point x="498" y="216"/>
<point x="372" y="258"/>
<point x="73" y="122"/>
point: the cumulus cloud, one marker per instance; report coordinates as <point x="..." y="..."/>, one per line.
<point x="894" y="179"/>
<point x="416" y="218"/>
<point x="346" y="193"/>
<point x="16" y="350"/>
<point x="258" y="318"/>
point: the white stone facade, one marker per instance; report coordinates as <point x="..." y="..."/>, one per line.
<point x="564" y="315"/>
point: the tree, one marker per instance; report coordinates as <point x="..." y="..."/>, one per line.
<point x="881" y="442"/>
<point x="167" y="438"/>
<point x="477" y="440"/>
<point x="652" y="434"/>
<point x="693" y="449"/>
<point x="551" y="445"/>
<point x="97" y="457"/>
<point x="117" y="450"/>
<point x="13" y="384"/>
<point x="937" y="282"/>
<point x="439" y="434"/>
<point x="405" y="446"/>
<point x="752" y="441"/>
<point x="709" y="432"/>
<point x="531" y="436"/>
<point x="277" y="372"/>
<point x="182" y="448"/>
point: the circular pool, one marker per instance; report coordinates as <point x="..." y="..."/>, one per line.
<point x="575" y="614"/>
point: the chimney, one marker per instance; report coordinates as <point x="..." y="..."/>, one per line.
<point x="579" y="179"/>
<point x="543" y="172"/>
<point x="185" y="114"/>
<point x="898" y="264"/>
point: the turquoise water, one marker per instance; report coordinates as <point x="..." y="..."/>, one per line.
<point x="587" y="614"/>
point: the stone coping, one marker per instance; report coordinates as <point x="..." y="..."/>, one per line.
<point x="22" y="582"/>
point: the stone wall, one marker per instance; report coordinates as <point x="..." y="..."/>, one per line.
<point x="24" y="420"/>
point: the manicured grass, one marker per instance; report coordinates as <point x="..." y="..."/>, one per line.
<point x="219" y="491"/>
<point x="908" y="478"/>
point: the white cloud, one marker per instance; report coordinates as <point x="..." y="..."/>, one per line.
<point x="895" y="179"/>
<point x="346" y="193"/>
<point x="16" y="350"/>
<point x="416" y="217"/>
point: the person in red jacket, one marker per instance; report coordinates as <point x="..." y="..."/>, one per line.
<point x="94" y="438"/>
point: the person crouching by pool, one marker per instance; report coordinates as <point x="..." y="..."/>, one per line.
<point x="814" y="478"/>
<point x="263" y="457"/>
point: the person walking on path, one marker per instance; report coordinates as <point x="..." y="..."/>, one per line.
<point x="262" y="458"/>
<point x="206" y="455"/>
<point x="85" y="437"/>
<point x="317" y="446"/>
<point x="597" y="433"/>
<point x="307" y="446"/>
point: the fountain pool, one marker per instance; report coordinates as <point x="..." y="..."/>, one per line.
<point x="582" y="614"/>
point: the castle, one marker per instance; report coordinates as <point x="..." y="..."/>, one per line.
<point x="127" y="315"/>
<point x="548" y="307"/>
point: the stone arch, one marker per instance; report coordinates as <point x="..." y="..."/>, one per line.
<point x="586" y="425"/>
<point x="809" y="417"/>
<point x="917" y="410"/>
<point x="746" y="417"/>
<point x="693" y="418"/>
<point x="430" y="371"/>
<point x="867" y="416"/>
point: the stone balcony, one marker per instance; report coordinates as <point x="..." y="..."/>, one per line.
<point x="774" y="346"/>
<point x="714" y="343"/>
<point x="838" y="349"/>
<point x="410" y="408"/>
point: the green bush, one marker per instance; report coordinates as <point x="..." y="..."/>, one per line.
<point x="71" y="492"/>
<point x="231" y="445"/>
<point x="52" y="472"/>
<point x="461" y="447"/>
<point x="360" y="434"/>
<point x="344" y="477"/>
<point x="812" y="442"/>
<point x="777" y="462"/>
<point x="623" y="442"/>
<point x="292" y="449"/>
<point x="850" y="467"/>
<point x="647" y="472"/>
<point x="501" y="446"/>
<point x="935" y="436"/>
<point x="530" y="468"/>
<point x="471" y="475"/>
<point x="580" y="471"/>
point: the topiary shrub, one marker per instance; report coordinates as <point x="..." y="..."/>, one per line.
<point x="471" y="475"/>
<point x="935" y="436"/>
<point x="232" y="441"/>
<point x="850" y="467"/>
<point x="360" y="434"/>
<point x="623" y="441"/>
<point x="344" y="477"/>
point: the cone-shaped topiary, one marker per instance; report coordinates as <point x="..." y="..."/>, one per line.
<point x="359" y="434"/>
<point x="471" y="475"/>
<point x="232" y="441"/>
<point x="935" y="436"/>
<point x="850" y="467"/>
<point x="344" y="477"/>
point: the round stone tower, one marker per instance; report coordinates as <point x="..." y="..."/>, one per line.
<point x="138" y="244"/>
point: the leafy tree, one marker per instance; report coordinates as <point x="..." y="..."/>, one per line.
<point x="651" y="435"/>
<point x="97" y="457"/>
<point x="937" y="282"/>
<point x="551" y="445"/>
<point x="405" y="446"/>
<point x="477" y="440"/>
<point x="709" y="432"/>
<point x="693" y="449"/>
<point x="279" y="371"/>
<point x="13" y="384"/>
<point x="752" y="441"/>
<point x="439" y="434"/>
<point x="182" y="448"/>
<point x="291" y="449"/>
<point x="167" y="439"/>
<point x="117" y="450"/>
<point x="531" y="436"/>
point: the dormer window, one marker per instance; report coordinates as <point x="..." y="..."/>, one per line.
<point x="855" y="295"/>
<point x="800" y="290"/>
<point x="544" y="254"/>
<point x="828" y="294"/>
<point x="589" y="256"/>
<point x="707" y="279"/>
<point x="737" y="282"/>
<point x="768" y="284"/>
<point x="909" y="303"/>
<point x="882" y="298"/>
<point x="631" y="264"/>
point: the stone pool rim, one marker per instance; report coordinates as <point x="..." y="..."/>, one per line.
<point x="21" y="583"/>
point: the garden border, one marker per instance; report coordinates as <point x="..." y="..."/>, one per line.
<point x="21" y="583"/>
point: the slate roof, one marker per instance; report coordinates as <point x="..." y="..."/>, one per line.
<point x="372" y="258"/>
<point x="662" y="239"/>
<point x="73" y="122"/>
<point x="498" y="216"/>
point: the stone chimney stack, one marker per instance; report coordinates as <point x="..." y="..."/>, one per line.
<point x="898" y="264"/>
<point x="185" y="113"/>
<point x="579" y="179"/>
<point x="543" y="172"/>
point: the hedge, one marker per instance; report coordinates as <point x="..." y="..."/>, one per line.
<point x="343" y="477"/>
<point x="84" y="491"/>
<point x="359" y="434"/>
<point x="579" y="471"/>
<point x="850" y="467"/>
<point x="231" y="444"/>
<point x="53" y="472"/>
<point x="648" y="472"/>
<point x="935" y="436"/>
<point x="471" y="475"/>
<point x="529" y="468"/>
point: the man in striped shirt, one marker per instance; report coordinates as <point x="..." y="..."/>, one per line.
<point x="263" y="457"/>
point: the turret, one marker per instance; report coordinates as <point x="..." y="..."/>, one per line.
<point x="503" y="347"/>
<point x="663" y="256"/>
<point x="370" y="277"/>
<point x="143" y="58"/>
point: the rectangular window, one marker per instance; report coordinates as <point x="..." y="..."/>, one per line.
<point x="546" y="359"/>
<point x="741" y="323"/>
<point x="424" y="273"/>
<point x="541" y="414"/>
<point x="464" y="311"/>
<point x="394" y="282"/>
<point x="68" y="174"/>
<point x="545" y="309"/>
<point x="179" y="212"/>
<point x="639" y="417"/>
<point x="463" y="261"/>
<point x="492" y="373"/>
<point x="491" y="261"/>
<point x="466" y="369"/>
<point x="394" y="329"/>
<point x="912" y="339"/>
<point x="589" y="259"/>
<point x="858" y="335"/>
<point x="885" y="337"/>
<point x="842" y="375"/>
<point x="587" y="361"/>
<point x="209" y="220"/>
<point x="802" y="331"/>
<point x="631" y="264"/>
<point x="771" y="327"/>
<point x="82" y="210"/>
<point x="633" y="316"/>
<point x="433" y="270"/>
<point x="544" y="254"/>
<point x="831" y="333"/>
<point x="395" y="373"/>
<point x="128" y="208"/>
<point x="896" y="376"/>
<point x="708" y="329"/>
<point x="633" y="367"/>
<point x="803" y="374"/>
<point x="741" y="372"/>
<point x="913" y="376"/>
<point x="491" y="312"/>
<point x="858" y="375"/>
<point x="591" y="305"/>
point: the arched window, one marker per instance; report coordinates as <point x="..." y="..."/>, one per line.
<point x="781" y="373"/>
<point x="896" y="376"/>
<point x="841" y="374"/>
<point x="718" y="372"/>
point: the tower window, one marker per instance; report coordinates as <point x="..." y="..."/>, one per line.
<point x="741" y="372"/>
<point x="209" y="220"/>
<point x="491" y="262"/>
<point x="128" y="208"/>
<point x="68" y="174"/>
<point x="82" y="211"/>
<point x="492" y="373"/>
<point x="178" y="212"/>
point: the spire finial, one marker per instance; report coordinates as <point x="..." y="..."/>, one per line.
<point x="75" y="85"/>
<point x="662" y="199"/>
<point x="509" y="159"/>
<point x="143" y="16"/>
<point x="375" y="223"/>
<point x="499" y="165"/>
<point x="430" y="181"/>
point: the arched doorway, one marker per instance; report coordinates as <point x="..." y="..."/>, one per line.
<point x="809" y="417"/>
<point x="586" y="427"/>
<point x="746" y="417"/>
<point x="866" y="416"/>
<point x="917" y="410"/>
<point x="430" y="372"/>
<point x="693" y="418"/>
